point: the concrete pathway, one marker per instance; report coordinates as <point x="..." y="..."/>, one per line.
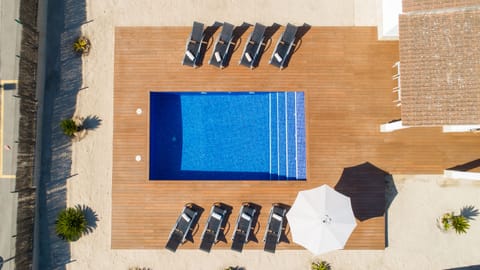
<point x="9" y="115"/>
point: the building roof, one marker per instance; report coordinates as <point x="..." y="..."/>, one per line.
<point x="440" y="65"/>
<point x="418" y="5"/>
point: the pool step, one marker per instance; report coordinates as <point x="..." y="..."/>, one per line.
<point x="301" y="144"/>
<point x="291" y="130"/>
<point x="282" y="136"/>
<point x="273" y="137"/>
<point x="287" y="136"/>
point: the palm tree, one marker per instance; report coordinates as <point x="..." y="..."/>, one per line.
<point x="71" y="224"/>
<point x="323" y="265"/>
<point x="82" y="45"/>
<point x="69" y="127"/>
<point x="458" y="222"/>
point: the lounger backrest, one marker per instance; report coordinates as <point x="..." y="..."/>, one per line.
<point x="290" y="33"/>
<point x="197" y="32"/>
<point x="227" y="32"/>
<point x="276" y="223"/>
<point x="185" y="220"/>
<point x="244" y="224"/>
<point x="258" y="33"/>
<point x="246" y="219"/>
<point x="215" y="221"/>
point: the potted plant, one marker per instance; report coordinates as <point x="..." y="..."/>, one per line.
<point x="459" y="223"/>
<point x="71" y="224"/>
<point x="322" y="265"/>
<point x="82" y="45"/>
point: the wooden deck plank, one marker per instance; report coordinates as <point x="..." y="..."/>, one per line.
<point x="346" y="76"/>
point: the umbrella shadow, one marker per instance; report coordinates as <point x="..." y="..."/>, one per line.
<point x="390" y="194"/>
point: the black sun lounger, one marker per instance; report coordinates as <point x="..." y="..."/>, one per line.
<point x="251" y="53"/>
<point x="274" y="228"/>
<point x="194" y="46"/>
<point x="223" y="46"/>
<point x="283" y="49"/>
<point x="214" y="224"/>
<point x="243" y="227"/>
<point x="181" y="228"/>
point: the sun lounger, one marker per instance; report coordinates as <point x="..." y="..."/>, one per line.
<point x="223" y="47"/>
<point x="182" y="227"/>
<point x="194" y="46"/>
<point x="214" y="224"/>
<point x="274" y="228"/>
<point x="251" y="53"/>
<point x="243" y="227"/>
<point x="284" y="47"/>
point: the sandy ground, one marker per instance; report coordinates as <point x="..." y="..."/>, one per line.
<point x="414" y="240"/>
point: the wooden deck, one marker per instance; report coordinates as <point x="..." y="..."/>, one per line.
<point x="346" y="75"/>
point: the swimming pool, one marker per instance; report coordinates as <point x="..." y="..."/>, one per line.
<point x="227" y="136"/>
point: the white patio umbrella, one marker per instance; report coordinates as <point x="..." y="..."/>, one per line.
<point x="321" y="219"/>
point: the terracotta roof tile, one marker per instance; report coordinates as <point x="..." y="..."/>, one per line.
<point x="440" y="68"/>
<point x="417" y="5"/>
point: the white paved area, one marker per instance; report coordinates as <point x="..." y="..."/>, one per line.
<point x="414" y="240"/>
<point x="183" y="12"/>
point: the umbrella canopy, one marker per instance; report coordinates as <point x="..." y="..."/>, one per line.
<point x="321" y="219"/>
<point x="365" y="184"/>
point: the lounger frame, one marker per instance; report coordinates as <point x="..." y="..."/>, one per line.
<point x="243" y="227"/>
<point x="213" y="227"/>
<point x="251" y="52"/>
<point x="223" y="46"/>
<point x="274" y="227"/>
<point x="284" y="48"/>
<point x="193" y="48"/>
<point x="182" y="227"/>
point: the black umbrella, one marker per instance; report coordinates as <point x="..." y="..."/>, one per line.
<point x="367" y="186"/>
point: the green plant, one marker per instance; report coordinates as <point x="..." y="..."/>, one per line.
<point x="458" y="222"/>
<point x="71" y="224"/>
<point x="322" y="265"/>
<point x="69" y="127"/>
<point x="82" y="45"/>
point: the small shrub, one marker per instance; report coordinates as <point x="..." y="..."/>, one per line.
<point x="69" y="127"/>
<point x="71" y="224"/>
<point x="322" y="265"/>
<point x="457" y="222"/>
<point x="82" y="45"/>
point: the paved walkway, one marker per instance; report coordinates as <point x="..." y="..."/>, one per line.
<point x="9" y="114"/>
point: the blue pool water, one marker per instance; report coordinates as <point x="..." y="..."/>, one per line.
<point x="227" y="136"/>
